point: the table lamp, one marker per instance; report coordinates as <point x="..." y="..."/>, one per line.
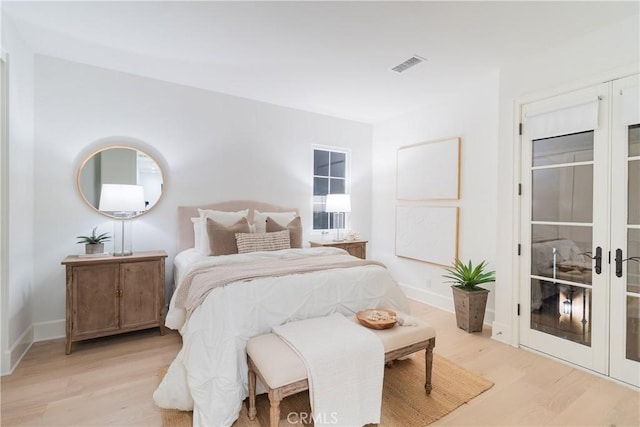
<point x="122" y="201"/>
<point x="338" y="203"/>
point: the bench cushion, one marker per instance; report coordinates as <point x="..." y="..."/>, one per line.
<point x="280" y="365"/>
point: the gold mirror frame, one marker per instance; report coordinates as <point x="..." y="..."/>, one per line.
<point x="122" y="164"/>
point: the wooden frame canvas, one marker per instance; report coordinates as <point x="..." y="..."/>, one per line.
<point x="429" y="171"/>
<point x="427" y="233"/>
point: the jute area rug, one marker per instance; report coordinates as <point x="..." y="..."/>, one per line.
<point x="404" y="402"/>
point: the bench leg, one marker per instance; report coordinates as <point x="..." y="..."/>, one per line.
<point x="428" y="357"/>
<point x="252" y="395"/>
<point x="274" y="411"/>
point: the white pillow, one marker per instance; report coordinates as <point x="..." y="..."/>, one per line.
<point x="196" y="232"/>
<point x="225" y="218"/>
<point x="282" y="218"/>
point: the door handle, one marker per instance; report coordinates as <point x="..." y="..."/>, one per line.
<point x="619" y="261"/>
<point x="598" y="258"/>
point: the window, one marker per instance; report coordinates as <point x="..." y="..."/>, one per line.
<point x="330" y="176"/>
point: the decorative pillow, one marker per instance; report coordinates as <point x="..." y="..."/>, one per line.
<point x="254" y="242"/>
<point x="294" y="227"/>
<point x="260" y="219"/>
<point x="222" y="217"/>
<point x="222" y="240"/>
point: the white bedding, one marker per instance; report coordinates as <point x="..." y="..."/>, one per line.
<point x="213" y="360"/>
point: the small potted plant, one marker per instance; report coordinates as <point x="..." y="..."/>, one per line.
<point x="469" y="299"/>
<point x="94" y="244"/>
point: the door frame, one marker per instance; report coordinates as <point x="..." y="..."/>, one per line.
<point x="595" y="356"/>
<point x="514" y="337"/>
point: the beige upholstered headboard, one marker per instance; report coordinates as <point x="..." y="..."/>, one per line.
<point x="185" y="213"/>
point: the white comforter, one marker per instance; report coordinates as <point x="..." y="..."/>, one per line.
<point x="209" y="373"/>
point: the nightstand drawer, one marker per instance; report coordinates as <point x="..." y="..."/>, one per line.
<point x="357" y="248"/>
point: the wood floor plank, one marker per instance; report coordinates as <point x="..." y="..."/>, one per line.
<point x="109" y="382"/>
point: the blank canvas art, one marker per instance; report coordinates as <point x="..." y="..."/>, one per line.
<point x="429" y="171"/>
<point x="428" y="234"/>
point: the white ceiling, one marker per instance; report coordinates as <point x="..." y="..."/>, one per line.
<point x="327" y="57"/>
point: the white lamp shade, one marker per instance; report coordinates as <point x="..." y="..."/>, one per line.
<point x="338" y="203"/>
<point x="121" y="198"/>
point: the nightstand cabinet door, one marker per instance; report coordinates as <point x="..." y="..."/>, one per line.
<point x="110" y="295"/>
<point x="95" y="302"/>
<point x="140" y="301"/>
<point x="356" y="249"/>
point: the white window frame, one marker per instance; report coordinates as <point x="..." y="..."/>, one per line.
<point x="320" y="200"/>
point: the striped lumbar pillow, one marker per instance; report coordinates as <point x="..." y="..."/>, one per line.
<point x="254" y="242"/>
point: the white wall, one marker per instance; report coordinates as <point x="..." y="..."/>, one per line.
<point x="17" y="290"/>
<point x="213" y="147"/>
<point x="608" y="53"/>
<point x="469" y="113"/>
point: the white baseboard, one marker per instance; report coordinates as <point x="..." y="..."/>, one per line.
<point x="501" y="332"/>
<point x="12" y="357"/>
<point x="50" y="330"/>
<point x="440" y="301"/>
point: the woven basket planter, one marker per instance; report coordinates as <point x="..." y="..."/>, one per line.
<point x="470" y="307"/>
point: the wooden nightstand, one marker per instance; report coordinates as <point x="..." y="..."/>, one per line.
<point x="357" y="248"/>
<point x="111" y="295"/>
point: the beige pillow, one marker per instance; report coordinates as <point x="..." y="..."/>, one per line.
<point x="254" y="242"/>
<point x="222" y="239"/>
<point x="294" y="227"/>
<point x="260" y="219"/>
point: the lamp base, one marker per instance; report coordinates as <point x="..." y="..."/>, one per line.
<point x="123" y="254"/>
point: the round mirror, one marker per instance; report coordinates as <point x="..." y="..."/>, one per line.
<point x="120" y="179"/>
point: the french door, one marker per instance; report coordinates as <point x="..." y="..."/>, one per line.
<point x="580" y="228"/>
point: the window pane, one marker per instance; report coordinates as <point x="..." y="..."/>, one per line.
<point x="563" y="194"/>
<point x="320" y="220"/>
<point x="338" y="164"/>
<point x="320" y="186"/>
<point x="337" y="186"/>
<point x="321" y="163"/>
<point x="577" y="147"/>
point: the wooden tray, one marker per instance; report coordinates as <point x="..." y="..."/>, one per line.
<point x="376" y="324"/>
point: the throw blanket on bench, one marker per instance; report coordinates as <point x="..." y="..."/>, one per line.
<point x="197" y="285"/>
<point x="345" y="366"/>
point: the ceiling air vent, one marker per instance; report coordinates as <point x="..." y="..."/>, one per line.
<point x="414" y="60"/>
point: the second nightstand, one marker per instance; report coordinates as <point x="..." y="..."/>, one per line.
<point x="357" y="248"/>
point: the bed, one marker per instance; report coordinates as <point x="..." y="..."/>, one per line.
<point x="209" y="374"/>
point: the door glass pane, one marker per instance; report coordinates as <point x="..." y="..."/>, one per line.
<point x="634" y="140"/>
<point x="563" y="194"/>
<point x="633" y="328"/>
<point x="633" y="264"/>
<point x="634" y="192"/>
<point x="561" y="252"/>
<point x="561" y="310"/>
<point x="577" y="147"/>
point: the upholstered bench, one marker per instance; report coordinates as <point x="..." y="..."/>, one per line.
<point x="283" y="373"/>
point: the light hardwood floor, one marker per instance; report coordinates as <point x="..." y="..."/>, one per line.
<point x="109" y="382"/>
